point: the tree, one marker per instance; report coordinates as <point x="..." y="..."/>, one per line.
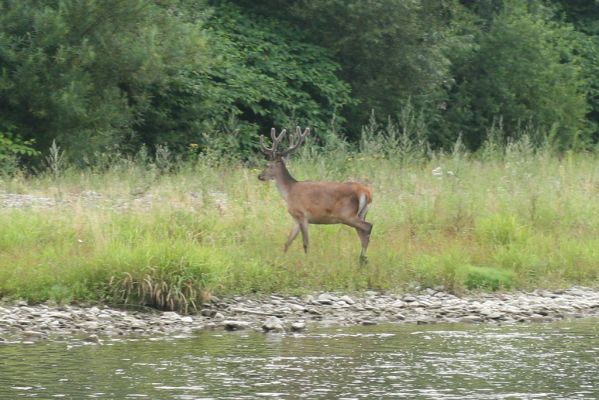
<point x="523" y="71"/>
<point x="584" y="15"/>
<point x="266" y="75"/>
<point x="95" y="75"/>
<point x="83" y="71"/>
<point x="391" y="52"/>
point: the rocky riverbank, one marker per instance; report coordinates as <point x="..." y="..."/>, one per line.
<point x="21" y="322"/>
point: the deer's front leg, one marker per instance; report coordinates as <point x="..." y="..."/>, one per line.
<point x="292" y="236"/>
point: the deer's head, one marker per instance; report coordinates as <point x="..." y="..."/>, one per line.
<point x="275" y="156"/>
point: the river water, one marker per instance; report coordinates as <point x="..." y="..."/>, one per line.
<point x="526" y="361"/>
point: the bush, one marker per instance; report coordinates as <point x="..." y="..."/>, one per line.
<point x="486" y="278"/>
<point x="12" y="148"/>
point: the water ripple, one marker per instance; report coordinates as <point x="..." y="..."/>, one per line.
<point x="536" y="361"/>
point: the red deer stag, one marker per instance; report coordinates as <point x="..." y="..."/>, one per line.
<point x="311" y="202"/>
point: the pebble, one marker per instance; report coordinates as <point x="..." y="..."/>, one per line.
<point x="273" y="324"/>
<point x="235" y="325"/>
<point x="297" y="307"/>
<point x="326" y="299"/>
<point x="20" y="321"/>
<point x="298" y="326"/>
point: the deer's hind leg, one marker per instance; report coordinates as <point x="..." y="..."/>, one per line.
<point x="303" y="224"/>
<point x="363" y="229"/>
<point x="363" y="233"/>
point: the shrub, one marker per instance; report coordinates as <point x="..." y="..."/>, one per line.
<point x="486" y="278"/>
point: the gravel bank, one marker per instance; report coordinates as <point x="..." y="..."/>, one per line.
<point x="21" y="322"/>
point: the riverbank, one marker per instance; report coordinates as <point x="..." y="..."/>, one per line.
<point x="137" y="236"/>
<point x="21" y="322"/>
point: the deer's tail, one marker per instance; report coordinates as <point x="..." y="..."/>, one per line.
<point x="364" y="198"/>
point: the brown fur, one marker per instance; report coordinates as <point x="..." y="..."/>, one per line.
<point x="311" y="202"/>
<point x="326" y="202"/>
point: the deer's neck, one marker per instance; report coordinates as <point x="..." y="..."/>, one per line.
<point x="284" y="180"/>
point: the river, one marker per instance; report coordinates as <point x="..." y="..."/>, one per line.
<point x="444" y="361"/>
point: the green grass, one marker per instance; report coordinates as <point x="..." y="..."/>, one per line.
<point x="519" y="221"/>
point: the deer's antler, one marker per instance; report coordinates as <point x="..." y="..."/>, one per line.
<point x="295" y="140"/>
<point x="272" y="151"/>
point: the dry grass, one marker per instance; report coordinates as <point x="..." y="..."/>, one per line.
<point x="131" y="234"/>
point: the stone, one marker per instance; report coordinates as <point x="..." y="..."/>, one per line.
<point x="232" y="325"/>
<point x="208" y="312"/>
<point x="296" y="307"/>
<point x="273" y="324"/>
<point x="33" y="334"/>
<point x="219" y="316"/>
<point x="470" y="318"/>
<point x="326" y="299"/>
<point x="309" y="299"/>
<point x="538" y="318"/>
<point x="170" y="315"/>
<point x="134" y="323"/>
<point x="92" y="339"/>
<point x="43" y="321"/>
<point x="398" y="304"/>
<point x="368" y="322"/>
<point x="298" y="326"/>
<point x="495" y="315"/>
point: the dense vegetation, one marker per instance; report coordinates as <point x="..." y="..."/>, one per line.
<point x="508" y="219"/>
<point x="100" y="76"/>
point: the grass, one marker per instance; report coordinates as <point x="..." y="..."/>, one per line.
<point x="519" y="220"/>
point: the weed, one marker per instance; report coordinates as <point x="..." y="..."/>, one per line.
<point x="514" y="219"/>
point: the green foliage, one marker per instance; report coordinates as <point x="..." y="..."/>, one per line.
<point x="11" y="146"/>
<point x="12" y="150"/>
<point x="584" y="15"/>
<point x="206" y="77"/>
<point x="390" y="51"/>
<point x="404" y="139"/>
<point x="487" y="278"/>
<point x="524" y="72"/>
<point x="500" y="229"/>
<point x="98" y="75"/>
<point x="266" y="75"/>
<point x="83" y="72"/>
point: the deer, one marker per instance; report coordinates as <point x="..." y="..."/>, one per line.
<point x="315" y="202"/>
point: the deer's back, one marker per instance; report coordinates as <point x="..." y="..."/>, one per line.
<point x="326" y="202"/>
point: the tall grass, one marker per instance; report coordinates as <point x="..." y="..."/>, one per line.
<point x="509" y="217"/>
